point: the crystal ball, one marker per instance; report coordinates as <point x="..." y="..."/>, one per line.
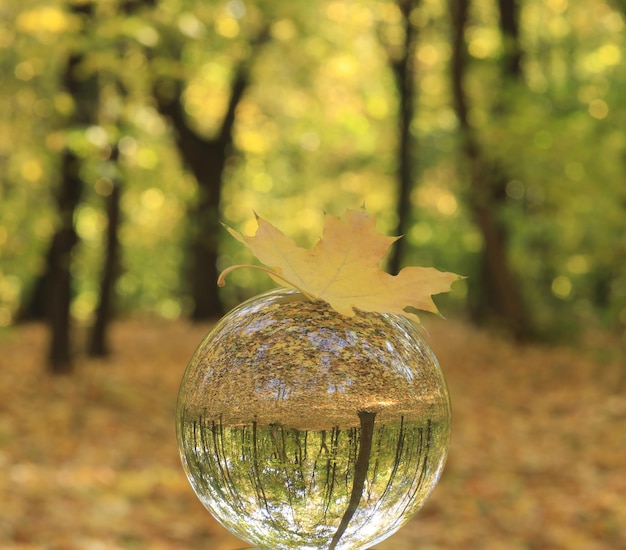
<point x="299" y="427"/>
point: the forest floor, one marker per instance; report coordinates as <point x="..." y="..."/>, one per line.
<point x="537" y="458"/>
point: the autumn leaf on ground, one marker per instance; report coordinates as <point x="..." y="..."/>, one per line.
<point x="343" y="268"/>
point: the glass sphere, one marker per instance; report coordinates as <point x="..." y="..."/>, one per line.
<point x="299" y="427"/>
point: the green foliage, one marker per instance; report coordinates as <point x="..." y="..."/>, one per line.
<point x="315" y="132"/>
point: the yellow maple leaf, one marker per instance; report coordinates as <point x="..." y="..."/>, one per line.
<point x="343" y="268"/>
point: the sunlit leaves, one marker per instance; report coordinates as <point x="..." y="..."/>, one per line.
<point x="316" y="132"/>
<point x="43" y="21"/>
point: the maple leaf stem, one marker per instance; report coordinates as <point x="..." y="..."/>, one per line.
<point x="221" y="280"/>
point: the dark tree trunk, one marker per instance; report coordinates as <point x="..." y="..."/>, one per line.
<point x="496" y="293"/>
<point x="35" y="304"/>
<point x="98" y="342"/>
<point x="509" y="27"/>
<point x="362" y="464"/>
<point x="404" y="72"/>
<point x="59" y="289"/>
<point x="98" y="345"/>
<point x="206" y="158"/>
<point x="84" y="91"/>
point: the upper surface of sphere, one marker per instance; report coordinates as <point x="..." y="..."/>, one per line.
<point x="282" y="359"/>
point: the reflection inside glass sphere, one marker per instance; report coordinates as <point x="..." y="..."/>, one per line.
<point x="302" y="428"/>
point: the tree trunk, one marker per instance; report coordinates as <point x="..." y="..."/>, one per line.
<point x="59" y="291"/>
<point x="206" y="158"/>
<point x="496" y="293"/>
<point x="509" y="27"/>
<point x="84" y="91"/>
<point x="98" y="346"/>
<point x="98" y="343"/>
<point x="403" y="69"/>
<point x="35" y="304"/>
<point x="362" y="464"/>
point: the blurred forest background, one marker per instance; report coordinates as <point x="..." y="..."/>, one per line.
<point x="489" y="133"/>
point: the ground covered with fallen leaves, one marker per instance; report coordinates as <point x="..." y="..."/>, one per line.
<point x="537" y="458"/>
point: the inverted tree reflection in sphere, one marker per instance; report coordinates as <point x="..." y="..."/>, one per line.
<point x="300" y="427"/>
